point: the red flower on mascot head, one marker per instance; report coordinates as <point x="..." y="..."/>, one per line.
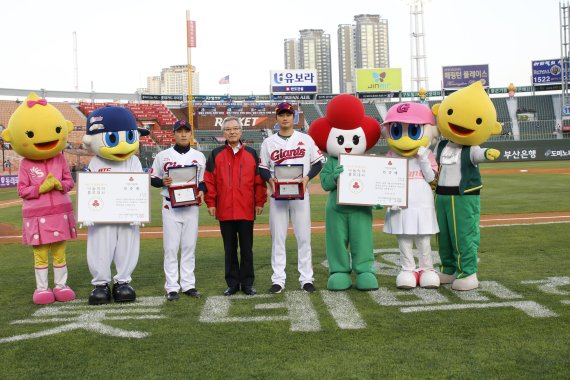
<point x="345" y="127"/>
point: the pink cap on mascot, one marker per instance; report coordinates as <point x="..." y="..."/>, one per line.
<point x="410" y="113"/>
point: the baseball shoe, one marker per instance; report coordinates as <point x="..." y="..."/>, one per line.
<point x="231" y="291"/>
<point x="193" y="293"/>
<point x="172" y="296"/>
<point x="249" y="290"/>
<point x="309" y="288"/>
<point x="275" y="288"/>
<point x="100" y="295"/>
<point x="123" y="292"/>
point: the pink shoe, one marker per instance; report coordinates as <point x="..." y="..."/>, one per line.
<point x="43" y="297"/>
<point x="64" y="294"/>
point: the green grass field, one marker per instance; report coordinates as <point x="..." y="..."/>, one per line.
<point x="517" y="326"/>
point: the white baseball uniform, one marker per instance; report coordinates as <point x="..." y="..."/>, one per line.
<point x="299" y="148"/>
<point x="179" y="225"/>
<point x="118" y="243"/>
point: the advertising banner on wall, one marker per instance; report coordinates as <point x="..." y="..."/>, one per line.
<point x="546" y="71"/>
<point x="463" y="76"/>
<point x="378" y="80"/>
<point x="293" y="81"/>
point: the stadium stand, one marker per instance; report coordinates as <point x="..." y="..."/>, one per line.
<point x="311" y="112"/>
<point x="502" y="109"/>
<point x="540" y="105"/>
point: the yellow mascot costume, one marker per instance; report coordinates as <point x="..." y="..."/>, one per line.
<point x="466" y="119"/>
<point x="38" y="132"/>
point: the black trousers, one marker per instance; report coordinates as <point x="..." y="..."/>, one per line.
<point x="238" y="272"/>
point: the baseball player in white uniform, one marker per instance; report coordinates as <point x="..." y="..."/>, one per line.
<point x="179" y="224"/>
<point x="290" y="147"/>
<point x="112" y="134"/>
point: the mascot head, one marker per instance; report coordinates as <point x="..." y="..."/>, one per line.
<point x="467" y="117"/>
<point x="407" y="127"/>
<point x="112" y="133"/>
<point x="37" y="130"/>
<point x="345" y="127"/>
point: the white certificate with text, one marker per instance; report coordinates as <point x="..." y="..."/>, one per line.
<point x="113" y="197"/>
<point x="372" y="180"/>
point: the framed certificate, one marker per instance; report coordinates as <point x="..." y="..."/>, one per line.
<point x="287" y="182"/>
<point x="372" y="180"/>
<point x="113" y="197"/>
<point x="183" y="190"/>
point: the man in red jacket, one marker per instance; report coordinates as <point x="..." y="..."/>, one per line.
<point x="235" y="195"/>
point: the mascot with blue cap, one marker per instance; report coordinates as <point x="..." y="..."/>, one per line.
<point x="113" y="136"/>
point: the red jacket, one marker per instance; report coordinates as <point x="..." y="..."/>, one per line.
<point x="233" y="183"/>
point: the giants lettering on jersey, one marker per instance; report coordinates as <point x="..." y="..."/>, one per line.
<point x="174" y="165"/>
<point x="278" y="156"/>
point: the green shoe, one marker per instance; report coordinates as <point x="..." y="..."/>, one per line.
<point x="366" y="281"/>
<point x="339" y="281"/>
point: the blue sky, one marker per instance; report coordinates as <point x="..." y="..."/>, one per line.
<point x="120" y="43"/>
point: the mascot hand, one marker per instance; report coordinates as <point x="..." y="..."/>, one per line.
<point x="336" y="173"/>
<point x="423" y="153"/>
<point x="136" y="224"/>
<point x="86" y="224"/>
<point x="492" y="154"/>
<point x="57" y="185"/>
<point x="48" y="184"/>
<point x="395" y="208"/>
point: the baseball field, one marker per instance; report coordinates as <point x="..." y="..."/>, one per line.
<point x="516" y="326"/>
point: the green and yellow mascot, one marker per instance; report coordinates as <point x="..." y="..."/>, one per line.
<point x="465" y="119"/>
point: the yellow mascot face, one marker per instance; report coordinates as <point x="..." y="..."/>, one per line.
<point x="37" y="130"/>
<point x="467" y="117"/>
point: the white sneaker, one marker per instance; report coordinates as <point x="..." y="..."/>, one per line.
<point x="467" y="283"/>
<point x="407" y="280"/>
<point x="429" y="279"/>
<point x="445" y="278"/>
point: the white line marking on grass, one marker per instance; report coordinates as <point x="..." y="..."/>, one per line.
<point x="375" y="225"/>
<point x="491" y="287"/>
<point x="343" y="310"/>
<point x="419" y="296"/>
<point x="530" y="308"/>
<point x="550" y="285"/>
<point x="300" y="311"/>
<point x="90" y="318"/>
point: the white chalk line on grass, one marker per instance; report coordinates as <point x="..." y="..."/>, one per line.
<point x="265" y="229"/>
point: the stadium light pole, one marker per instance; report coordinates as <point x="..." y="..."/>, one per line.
<point x="191" y="42"/>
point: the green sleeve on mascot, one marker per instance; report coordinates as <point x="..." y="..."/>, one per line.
<point x="346" y="129"/>
<point x="466" y="119"/>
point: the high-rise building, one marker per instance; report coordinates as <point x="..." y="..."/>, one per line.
<point x="346" y="65"/>
<point x="291" y="53"/>
<point x="153" y="85"/>
<point x="361" y="46"/>
<point x="174" y="80"/>
<point x="311" y="51"/>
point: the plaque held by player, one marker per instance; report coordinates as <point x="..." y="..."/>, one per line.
<point x="184" y="189"/>
<point x="288" y="183"/>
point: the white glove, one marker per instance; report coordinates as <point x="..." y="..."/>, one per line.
<point x="137" y="224"/>
<point x="86" y="223"/>
<point x="423" y="153"/>
<point x="395" y="208"/>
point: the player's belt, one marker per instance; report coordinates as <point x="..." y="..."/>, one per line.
<point x="453" y="190"/>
